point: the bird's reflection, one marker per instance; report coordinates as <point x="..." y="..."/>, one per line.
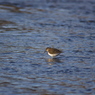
<point x="53" y="61"/>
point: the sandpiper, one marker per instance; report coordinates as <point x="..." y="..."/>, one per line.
<point x="53" y="51"/>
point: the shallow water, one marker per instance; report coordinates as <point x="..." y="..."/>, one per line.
<point x="27" y="28"/>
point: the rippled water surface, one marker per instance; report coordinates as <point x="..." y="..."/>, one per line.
<point x="27" y="27"/>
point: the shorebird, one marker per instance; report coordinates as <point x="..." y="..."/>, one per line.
<point x="53" y="51"/>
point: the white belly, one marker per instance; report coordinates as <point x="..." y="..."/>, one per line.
<point x="52" y="55"/>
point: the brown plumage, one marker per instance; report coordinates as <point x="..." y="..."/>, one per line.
<point x="53" y="51"/>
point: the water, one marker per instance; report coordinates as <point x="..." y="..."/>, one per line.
<point x="27" y="28"/>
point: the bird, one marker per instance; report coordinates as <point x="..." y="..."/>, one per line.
<point x="53" y="52"/>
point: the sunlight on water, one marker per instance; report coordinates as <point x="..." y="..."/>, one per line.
<point x="27" y="28"/>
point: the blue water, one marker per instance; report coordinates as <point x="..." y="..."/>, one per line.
<point x="27" y="28"/>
